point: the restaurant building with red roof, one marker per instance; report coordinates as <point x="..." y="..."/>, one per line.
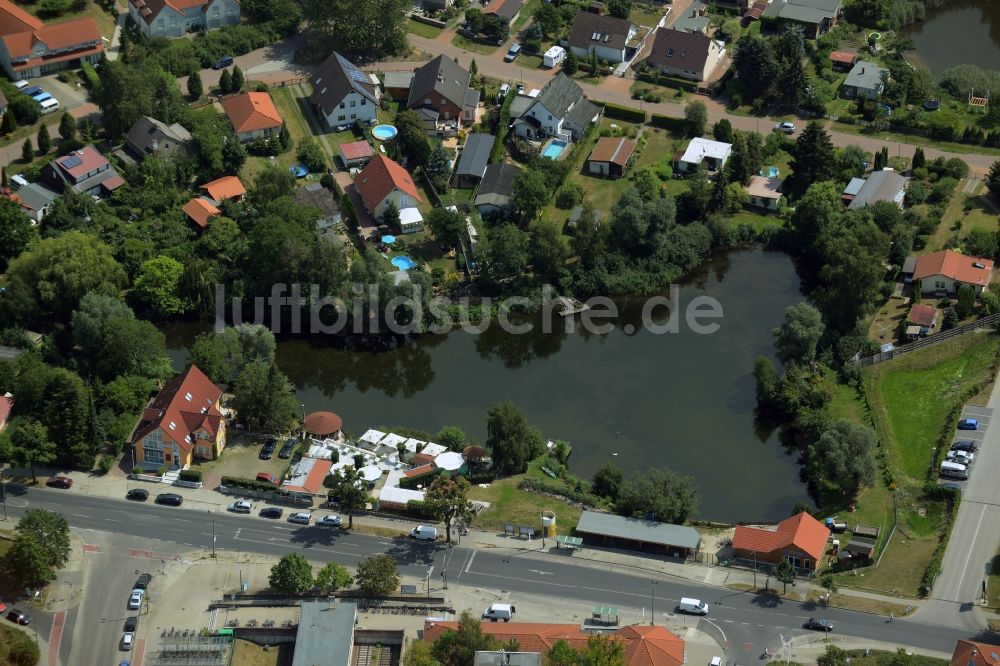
<point x="644" y="646"/>
<point x="182" y="422"/>
<point x="799" y="540"/>
<point x="253" y="116"/>
<point x="29" y="48"/>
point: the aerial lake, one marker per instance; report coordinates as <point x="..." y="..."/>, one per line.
<point x="684" y="400"/>
<point x="964" y="32"/>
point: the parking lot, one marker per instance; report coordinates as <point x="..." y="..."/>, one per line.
<point x="983" y="416"/>
<point x="241" y="459"/>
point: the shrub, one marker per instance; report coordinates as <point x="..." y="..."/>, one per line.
<point x="90" y="75"/>
<point x="193" y="475"/>
<point x="667" y="123"/>
<point x="624" y="113"/>
<point x="570" y="194"/>
<point x="558" y="488"/>
<point x="249" y="484"/>
<point x="162" y="470"/>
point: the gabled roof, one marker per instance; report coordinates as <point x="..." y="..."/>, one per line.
<point x="559" y="95"/>
<point x="317" y="196"/>
<point x="148" y="131"/>
<point x="505" y="9"/>
<point x="379" y="178"/>
<point x="443" y="76"/>
<point x="636" y="529"/>
<point x="224" y="188"/>
<point x="843" y="57"/>
<point x="337" y="77"/>
<point x="356" y="150"/>
<point x="13" y="19"/>
<point x="497" y="185"/>
<point x="21" y="42"/>
<point x="972" y="653"/>
<point x="35" y="196"/>
<point x="150" y="9"/>
<point x="958" y="267"/>
<point x="475" y="155"/>
<point x="885" y="185"/>
<point x="186" y="403"/>
<point x="80" y="161"/>
<point x="616" y="150"/>
<point x="599" y="30"/>
<point x="801" y="530"/>
<point x="200" y="210"/>
<point x="922" y="314"/>
<point x="865" y="75"/>
<point x="251" y="111"/>
<point x="679" y="49"/>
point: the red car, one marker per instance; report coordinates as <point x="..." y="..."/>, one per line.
<point x="266" y="478"/>
<point x="59" y="482"/>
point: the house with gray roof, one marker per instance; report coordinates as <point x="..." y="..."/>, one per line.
<point x="342" y="94"/>
<point x="559" y="110"/>
<point x="493" y="195"/>
<point x="885" y="185"/>
<point x="603" y="34"/>
<point x="314" y="195"/>
<point x="150" y="136"/>
<point x="607" y="529"/>
<point x="688" y="55"/>
<point x="816" y="17"/>
<point x="35" y="200"/>
<point x="325" y="634"/>
<point x="694" y="19"/>
<point x="866" y="79"/>
<point x="475" y="156"/>
<point x="442" y="86"/>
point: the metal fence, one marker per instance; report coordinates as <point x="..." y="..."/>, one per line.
<point x="930" y="340"/>
<point x="193" y="651"/>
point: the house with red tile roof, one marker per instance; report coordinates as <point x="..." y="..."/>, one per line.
<point x="355" y="153"/>
<point x="383" y="182"/>
<point x="173" y="18"/>
<point x="307" y="476"/>
<point x="508" y="10"/>
<point x="84" y="171"/>
<point x="945" y="271"/>
<point x="227" y="187"/>
<point x="644" y="646"/>
<point x="923" y="315"/>
<point x="200" y="210"/>
<point x="973" y="653"/>
<point x="799" y="540"/>
<point x="29" y="48"/>
<point x="182" y="422"/>
<point x="253" y="116"/>
<point x="6" y="405"/>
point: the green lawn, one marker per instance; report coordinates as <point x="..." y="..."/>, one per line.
<point x="640" y="15"/>
<point x="17" y="646"/>
<point x="473" y="46"/>
<point x="422" y="29"/>
<point x="759" y="220"/>
<point x="508" y="504"/>
<point x="527" y="11"/>
<point x="846" y="401"/>
<point x="913" y="395"/>
<point x="529" y="61"/>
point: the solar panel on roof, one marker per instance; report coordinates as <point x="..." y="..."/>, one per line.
<point x="72" y="161"/>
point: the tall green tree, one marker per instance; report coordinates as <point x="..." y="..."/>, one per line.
<point x="695" y="118"/>
<point x="158" y="284"/>
<point x="668" y="496"/>
<point x="530" y="193"/>
<point x="511" y="441"/>
<point x="793" y="84"/>
<point x="723" y="131"/>
<point x="459" y="647"/>
<point x="51" y="530"/>
<point x="9" y="124"/>
<point x="195" y="87"/>
<point x="377" y="575"/>
<point x="16" y="231"/>
<point x="348" y="490"/>
<point x="44" y="140"/>
<point x="447" y="500"/>
<point x="31" y="446"/>
<point x="236" y="83"/>
<point x="505" y="252"/>
<point x="766" y="378"/>
<point x="27" y="151"/>
<point x="264" y="399"/>
<point x="993" y="180"/>
<point x="225" y="82"/>
<point x="376" y="28"/>
<point x="292" y="575"/>
<point x="570" y="64"/>
<point x="620" y="8"/>
<point x="453" y="437"/>
<point x="332" y="577"/>
<point x="549" y="254"/>
<point x="785" y="573"/>
<point x="798" y="335"/>
<point x="813" y="158"/>
<point x="447" y="226"/>
<point x="756" y="66"/>
<point x="845" y="456"/>
<point x="607" y="481"/>
<point x="67" y="127"/>
<point x="27" y="563"/>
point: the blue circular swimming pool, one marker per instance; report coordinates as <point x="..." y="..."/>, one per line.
<point x="384" y="132"/>
<point x="403" y="262"/>
<point x="388" y="239"/>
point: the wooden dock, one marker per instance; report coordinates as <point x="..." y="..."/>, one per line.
<point x="570" y="306"/>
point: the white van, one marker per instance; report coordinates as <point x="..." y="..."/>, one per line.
<point x="692" y="606"/>
<point x="498" y="612"/>
<point x="50" y="106"/>
<point x="954" y="470"/>
<point x="504" y="89"/>
<point x="424" y="533"/>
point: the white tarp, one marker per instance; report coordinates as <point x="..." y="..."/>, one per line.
<point x="373" y="436"/>
<point x="392" y="439"/>
<point x="370" y="473"/>
<point x="449" y="460"/>
<point x="412" y="443"/>
<point x="433" y="449"/>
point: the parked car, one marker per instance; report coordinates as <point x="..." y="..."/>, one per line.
<point x="300" y="517"/>
<point x="142" y="582"/>
<point x="18" y="617"/>
<point x="241" y="506"/>
<point x="127" y="640"/>
<point x="267" y="478"/>
<point x="818" y="624"/>
<point x="964" y="457"/>
<point x="59" y="482"/>
<point x="170" y="499"/>
<point x="137" y="495"/>
<point x="286" y="449"/>
<point x="965" y="445"/>
<point x="131" y="624"/>
<point x="424" y="533"/>
<point x="21" y="85"/>
<point x="716" y="661"/>
<point x="3" y="608"/>
<point x="968" y="424"/>
<point x="330" y="521"/>
<point x="135" y="599"/>
<point x="223" y="62"/>
<point x="271" y="512"/>
<point x="515" y="50"/>
<point x="31" y="90"/>
<point x="267" y="450"/>
<point x="786" y="127"/>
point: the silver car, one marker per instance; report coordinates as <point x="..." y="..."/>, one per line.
<point x="330" y="521"/>
<point x="300" y="517"/>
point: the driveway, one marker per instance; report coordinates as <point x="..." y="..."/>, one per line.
<point x="976" y="534"/>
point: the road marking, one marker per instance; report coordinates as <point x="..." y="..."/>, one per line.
<point x="540" y="573"/>
<point x="469" y="565"/>
<point x="80" y="515"/>
<point x="112" y="520"/>
<point x="312" y="548"/>
<point x="724" y="639"/>
<point x="146" y="554"/>
<point x="91" y="548"/>
<point x="968" y="556"/>
<point x="55" y="637"/>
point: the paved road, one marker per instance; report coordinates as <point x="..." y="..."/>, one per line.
<point x="743" y="619"/>
<point x="976" y="534"/>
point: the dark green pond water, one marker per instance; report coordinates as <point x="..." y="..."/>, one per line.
<point x="682" y="400"/>
<point x="964" y="32"/>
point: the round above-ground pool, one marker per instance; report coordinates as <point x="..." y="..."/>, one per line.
<point x="388" y="239"/>
<point x="384" y="132"/>
<point x="299" y="170"/>
<point x="403" y="262"/>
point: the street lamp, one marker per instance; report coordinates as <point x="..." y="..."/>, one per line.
<point x="430" y="570"/>
<point x="3" y="493"/>
<point x="213" y="532"/>
<point x="652" y="608"/>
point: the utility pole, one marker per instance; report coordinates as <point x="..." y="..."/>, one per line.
<point x="3" y="493"/>
<point x="430" y="570"/>
<point x="652" y="607"/>
<point x="755" y="571"/>
<point x="213" y="532"/>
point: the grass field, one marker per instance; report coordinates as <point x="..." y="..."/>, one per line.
<point x="422" y="29"/>
<point x="510" y="505"/>
<point x="913" y="395"/>
<point x="17" y="646"/>
<point x="915" y="139"/>
<point x="246" y="653"/>
<point x="473" y="46"/>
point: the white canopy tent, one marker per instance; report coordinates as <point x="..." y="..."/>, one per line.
<point x="372" y="436"/>
<point x="449" y="461"/>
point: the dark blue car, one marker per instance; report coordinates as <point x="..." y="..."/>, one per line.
<point x="32" y="91"/>
<point x="968" y="424"/>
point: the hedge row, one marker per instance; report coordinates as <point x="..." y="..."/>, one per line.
<point x="418" y="509"/>
<point x="625" y="113"/>
<point x="668" y="82"/>
<point x="934" y="566"/>
<point x="411" y="482"/>
<point x="533" y="484"/>
<point x="249" y="484"/>
<point x="668" y="123"/>
<point x="190" y="475"/>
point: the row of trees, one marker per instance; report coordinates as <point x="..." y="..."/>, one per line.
<point x="376" y="576"/>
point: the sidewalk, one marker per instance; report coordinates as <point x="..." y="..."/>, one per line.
<point x="116" y="484"/>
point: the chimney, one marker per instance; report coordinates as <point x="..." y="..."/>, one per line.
<point x="862" y="69"/>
